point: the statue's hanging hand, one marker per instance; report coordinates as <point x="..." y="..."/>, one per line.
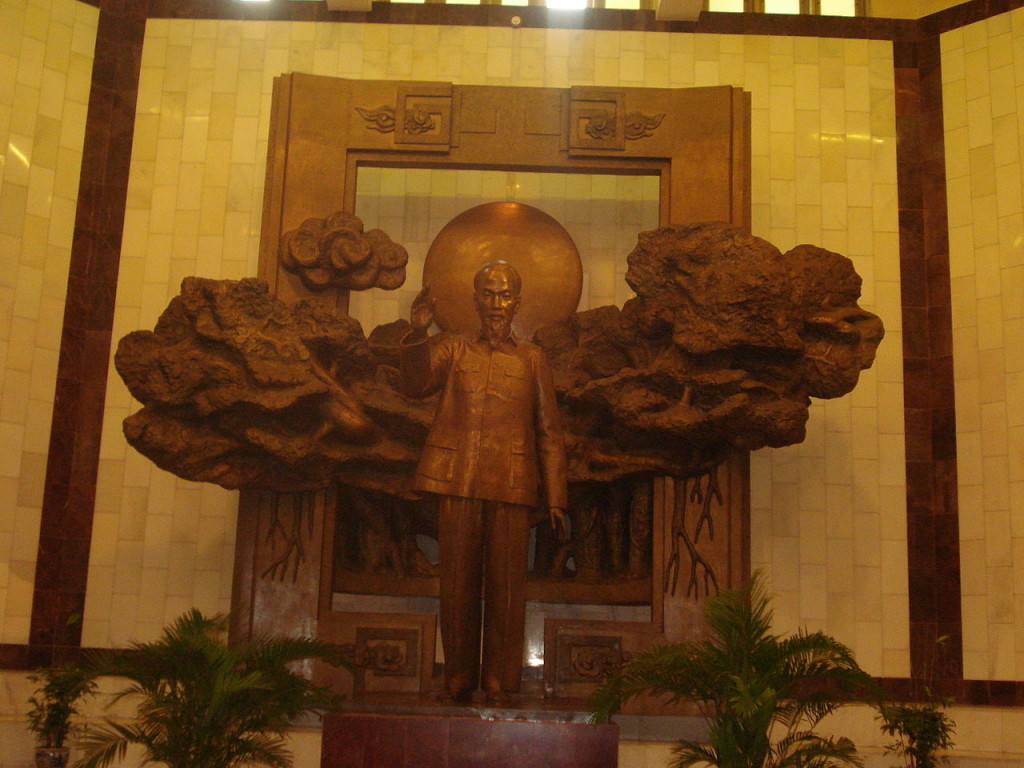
<point x="559" y="522"/>
<point x="421" y="316"/>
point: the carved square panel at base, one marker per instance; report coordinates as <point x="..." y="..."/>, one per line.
<point x="391" y="653"/>
<point x="578" y="655"/>
<point x="596" y="120"/>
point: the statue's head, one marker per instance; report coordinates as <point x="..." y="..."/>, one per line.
<point x="496" y="294"/>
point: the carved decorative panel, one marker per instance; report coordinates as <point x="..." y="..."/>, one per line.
<point x="390" y="653"/>
<point x="578" y="655"/>
<point x="424" y="116"/>
<point x="596" y="119"/>
<point x="640" y="125"/>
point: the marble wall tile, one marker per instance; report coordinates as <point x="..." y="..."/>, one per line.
<point x="981" y="106"/>
<point x="42" y="125"/>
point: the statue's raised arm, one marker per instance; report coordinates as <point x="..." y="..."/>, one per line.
<point x="421" y="315"/>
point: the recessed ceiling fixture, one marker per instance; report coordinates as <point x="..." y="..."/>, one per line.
<point x="350" y="5"/>
<point x="678" y="10"/>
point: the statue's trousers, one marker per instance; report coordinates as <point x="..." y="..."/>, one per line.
<point x="483" y="544"/>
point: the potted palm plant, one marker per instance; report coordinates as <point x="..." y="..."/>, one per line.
<point x="920" y="729"/>
<point x="202" y="703"/>
<point x="761" y="694"/>
<point x="53" y="709"/>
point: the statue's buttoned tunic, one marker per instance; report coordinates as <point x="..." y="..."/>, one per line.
<point x="496" y="434"/>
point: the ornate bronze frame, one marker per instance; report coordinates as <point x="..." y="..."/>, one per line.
<point x="697" y="140"/>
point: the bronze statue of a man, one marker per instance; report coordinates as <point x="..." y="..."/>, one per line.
<point x="494" y="451"/>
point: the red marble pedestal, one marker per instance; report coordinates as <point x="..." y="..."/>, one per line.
<point x="361" y="740"/>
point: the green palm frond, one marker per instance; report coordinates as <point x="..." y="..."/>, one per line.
<point x="265" y="749"/>
<point x="672" y="671"/>
<point x="104" y="744"/>
<point x="687" y="753"/>
<point x="806" y="749"/>
<point x="748" y="684"/>
<point x="202" y="703"/>
<point x="56" y="702"/>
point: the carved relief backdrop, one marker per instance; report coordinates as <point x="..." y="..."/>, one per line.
<point x="823" y="172"/>
<point x="298" y="558"/>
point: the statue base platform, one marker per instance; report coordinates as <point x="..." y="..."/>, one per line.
<point x="426" y="736"/>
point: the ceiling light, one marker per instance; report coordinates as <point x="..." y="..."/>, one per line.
<point x="679" y="10"/>
<point x="350" y="5"/>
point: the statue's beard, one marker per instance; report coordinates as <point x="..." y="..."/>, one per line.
<point x="496" y="329"/>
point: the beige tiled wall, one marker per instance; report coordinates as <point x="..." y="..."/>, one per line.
<point x="46" y="49"/>
<point x="828" y="515"/>
<point x="161" y="544"/>
<point x="983" y="104"/>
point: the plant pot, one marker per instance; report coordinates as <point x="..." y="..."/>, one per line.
<point x="52" y="757"/>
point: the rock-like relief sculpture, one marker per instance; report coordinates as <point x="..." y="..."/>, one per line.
<point x="242" y="390"/>
<point x="723" y="346"/>
<point x="336" y="252"/>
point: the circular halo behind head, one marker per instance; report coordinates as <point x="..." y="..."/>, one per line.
<point x="539" y="248"/>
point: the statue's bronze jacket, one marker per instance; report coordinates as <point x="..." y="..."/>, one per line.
<point x="496" y="434"/>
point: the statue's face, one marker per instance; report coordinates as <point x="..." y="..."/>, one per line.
<point x="497" y="302"/>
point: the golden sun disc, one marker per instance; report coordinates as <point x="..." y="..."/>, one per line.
<point x="527" y="238"/>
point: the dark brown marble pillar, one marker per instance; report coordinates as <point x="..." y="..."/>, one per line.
<point x="70" y="490"/>
<point x="932" y="517"/>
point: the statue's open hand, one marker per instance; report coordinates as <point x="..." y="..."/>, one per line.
<point x="422" y="313"/>
<point x="559" y="522"/>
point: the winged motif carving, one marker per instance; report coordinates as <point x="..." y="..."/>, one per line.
<point x="640" y="125"/>
<point x="380" y="119"/>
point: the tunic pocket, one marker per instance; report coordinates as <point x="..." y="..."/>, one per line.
<point x="438" y="462"/>
<point x="468" y="377"/>
<point x="516" y="384"/>
<point x="521" y="473"/>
